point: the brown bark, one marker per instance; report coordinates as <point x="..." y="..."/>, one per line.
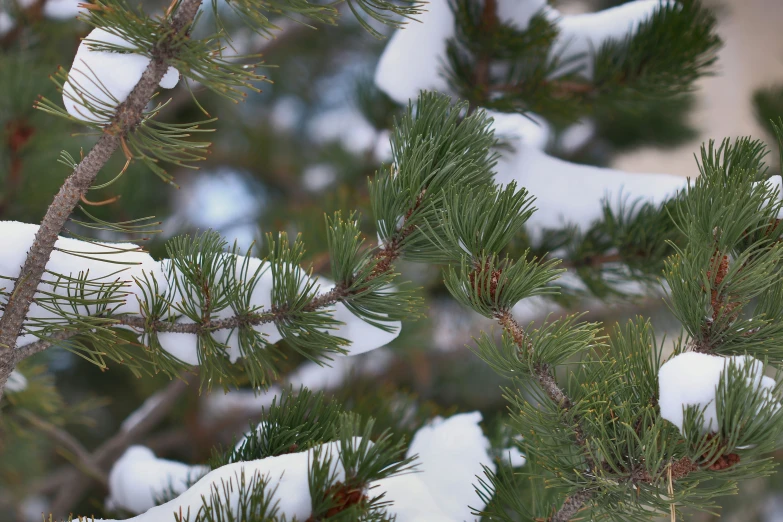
<point x="128" y="116"/>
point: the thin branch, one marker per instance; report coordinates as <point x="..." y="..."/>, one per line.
<point x="561" y="88"/>
<point x="383" y="259"/>
<point x="85" y="461"/>
<point x="592" y="261"/>
<point x="489" y="19"/>
<point x="128" y="115"/>
<point x="547" y="381"/>
<point x="75" y="483"/>
<point x="141" y="323"/>
<point x="25" y="351"/>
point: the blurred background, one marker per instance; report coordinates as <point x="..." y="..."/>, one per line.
<point x="303" y="147"/>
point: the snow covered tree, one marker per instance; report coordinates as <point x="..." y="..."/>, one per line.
<point x="606" y="426"/>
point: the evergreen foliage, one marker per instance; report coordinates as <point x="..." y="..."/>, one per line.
<point x="584" y="406"/>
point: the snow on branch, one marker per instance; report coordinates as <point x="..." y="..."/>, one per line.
<point x="138" y="478"/>
<point x="118" y="284"/>
<point x="574" y="194"/>
<point x="99" y="80"/>
<point x="700" y="381"/>
<point x="415" y="55"/>
<point x="416" y="59"/>
<point x="451" y="455"/>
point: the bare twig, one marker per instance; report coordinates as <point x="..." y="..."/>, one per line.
<point x="84" y="461"/>
<point x="75" y="483"/>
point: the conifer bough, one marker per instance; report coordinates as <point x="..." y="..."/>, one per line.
<point x="129" y="115"/>
<point x="621" y="438"/>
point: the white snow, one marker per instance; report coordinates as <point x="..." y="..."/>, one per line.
<point x="516" y="129"/>
<point x="16" y="382"/>
<point x="411" y="499"/>
<point x="319" y="377"/>
<point x="62" y="9"/>
<point x="691" y="379"/>
<point x="518" y="13"/>
<point x="183" y="346"/>
<point x="363" y="336"/>
<point x="138" y="478"/>
<point x="570" y="193"/>
<point x="6" y="23"/>
<point x="535" y="308"/>
<point x="451" y="452"/>
<point x="316" y="377"/>
<point x="54" y="9"/>
<point x="105" y="79"/>
<point x="383" y="149"/>
<point x="775" y="183"/>
<point x="287" y="112"/>
<point x="100" y="266"/>
<point x="237" y="403"/>
<point x="219" y="199"/>
<point x="514" y="457"/>
<point x="575" y="136"/>
<point x="414" y="57"/>
<point x="224" y="200"/>
<point x="34" y="508"/>
<point x="287" y="475"/>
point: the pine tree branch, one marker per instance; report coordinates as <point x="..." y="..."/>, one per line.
<point x="128" y="115"/>
<point x="547" y="381"/>
<point x="679" y="468"/>
<point x="320" y="301"/>
<point x="383" y="261"/>
<point x="141" y="323"/>
<point x="75" y="484"/>
<point x="336" y="294"/>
